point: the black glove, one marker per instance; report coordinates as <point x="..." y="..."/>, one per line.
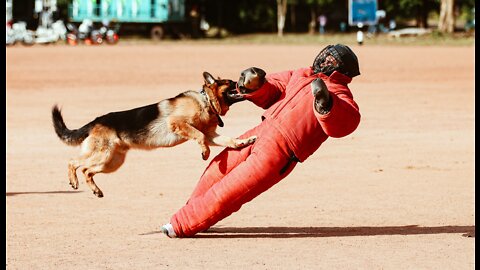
<point x="251" y="79"/>
<point x="323" y="101"/>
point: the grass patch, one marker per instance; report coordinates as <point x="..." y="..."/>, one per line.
<point x="435" y="38"/>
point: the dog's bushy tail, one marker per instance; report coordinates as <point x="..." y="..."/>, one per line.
<point x="70" y="137"/>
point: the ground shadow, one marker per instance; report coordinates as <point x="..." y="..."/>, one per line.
<point x="41" y="192"/>
<point x="294" y="232"/>
<point x="312" y="232"/>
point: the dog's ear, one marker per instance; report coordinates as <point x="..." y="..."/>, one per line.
<point x="208" y="78"/>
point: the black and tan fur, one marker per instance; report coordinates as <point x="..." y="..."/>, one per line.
<point x="191" y="115"/>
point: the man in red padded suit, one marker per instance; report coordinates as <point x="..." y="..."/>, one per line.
<point x="303" y="108"/>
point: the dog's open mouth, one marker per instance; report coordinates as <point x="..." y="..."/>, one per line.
<point x="232" y="96"/>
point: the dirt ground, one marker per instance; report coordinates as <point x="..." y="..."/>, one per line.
<point x="398" y="193"/>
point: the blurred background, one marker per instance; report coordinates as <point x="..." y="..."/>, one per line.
<point x="98" y="21"/>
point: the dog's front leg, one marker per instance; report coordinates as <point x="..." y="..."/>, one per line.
<point x="225" y="141"/>
<point x="189" y="132"/>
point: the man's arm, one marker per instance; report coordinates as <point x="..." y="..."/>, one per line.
<point x="335" y="109"/>
<point x="261" y="89"/>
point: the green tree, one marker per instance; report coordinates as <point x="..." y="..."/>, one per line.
<point x="418" y="10"/>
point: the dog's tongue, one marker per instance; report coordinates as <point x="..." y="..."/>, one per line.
<point x="238" y="89"/>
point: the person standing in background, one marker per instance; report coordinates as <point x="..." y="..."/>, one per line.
<point x="322" y="21"/>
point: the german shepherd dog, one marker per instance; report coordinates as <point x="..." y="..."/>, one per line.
<point x="191" y="115"/>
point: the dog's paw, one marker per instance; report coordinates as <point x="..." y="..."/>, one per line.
<point x="245" y="142"/>
<point x="98" y="193"/>
<point x="251" y="140"/>
<point x="74" y="185"/>
<point x="205" y="154"/>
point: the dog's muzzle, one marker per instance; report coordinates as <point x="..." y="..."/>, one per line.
<point x="232" y="95"/>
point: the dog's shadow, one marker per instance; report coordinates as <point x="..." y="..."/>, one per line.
<point x="313" y="232"/>
<point x="41" y="192"/>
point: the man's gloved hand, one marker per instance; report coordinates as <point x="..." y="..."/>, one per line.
<point x="323" y="101"/>
<point x="251" y="79"/>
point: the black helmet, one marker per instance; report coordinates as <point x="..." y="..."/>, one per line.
<point x="337" y="57"/>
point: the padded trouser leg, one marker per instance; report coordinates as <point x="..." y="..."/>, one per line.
<point x="223" y="189"/>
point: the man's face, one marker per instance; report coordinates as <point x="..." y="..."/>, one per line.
<point x="336" y="58"/>
<point x="329" y="61"/>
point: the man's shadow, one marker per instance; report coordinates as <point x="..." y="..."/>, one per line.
<point x="312" y="232"/>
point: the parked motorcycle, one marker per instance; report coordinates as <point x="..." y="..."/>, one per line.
<point x="18" y="32"/>
<point x="56" y="32"/>
<point x="72" y="34"/>
<point x="85" y="32"/>
<point x="109" y="35"/>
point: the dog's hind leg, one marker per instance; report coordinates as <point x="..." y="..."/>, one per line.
<point x="108" y="160"/>
<point x="104" y="153"/>
<point x="93" y="165"/>
<point x="73" y="165"/>
<point x="89" y="179"/>
<point x="84" y="162"/>
<point x="87" y="150"/>
<point x="105" y="162"/>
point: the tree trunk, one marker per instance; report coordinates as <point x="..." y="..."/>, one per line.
<point x="313" y="19"/>
<point x="422" y="15"/>
<point x="281" y="14"/>
<point x="219" y="19"/>
<point x="446" y="22"/>
<point x="293" y="18"/>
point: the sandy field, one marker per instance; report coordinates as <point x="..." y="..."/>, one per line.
<point x="398" y="193"/>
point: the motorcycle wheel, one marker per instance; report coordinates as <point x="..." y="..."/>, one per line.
<point x="72" y="41"/>
<point x="112" y="39"/>
<point x="97" y="38"/>
<point x="28" y="41"/>
<point x="88" y="41"/>
<point x="11" y="42"/>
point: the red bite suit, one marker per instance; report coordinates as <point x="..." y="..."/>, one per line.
<point x="290" y="132"/>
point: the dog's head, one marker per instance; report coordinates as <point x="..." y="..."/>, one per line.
<point x="222" y="93"/>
